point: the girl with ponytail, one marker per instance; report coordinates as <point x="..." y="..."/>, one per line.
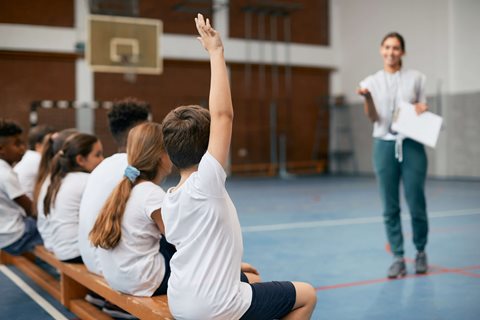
<point x="50" y="146"/>
<point x="133" y="254"/>
<point x="60" y="194"/>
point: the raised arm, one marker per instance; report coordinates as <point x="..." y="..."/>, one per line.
<point x="220" y="99"/>
<point x="369" y="105"/>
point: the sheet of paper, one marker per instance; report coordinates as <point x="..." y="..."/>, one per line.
<point x="424" y="128"/>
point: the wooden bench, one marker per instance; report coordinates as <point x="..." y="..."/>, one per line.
<point x="27" y="265"/>
<point x="76" y="281"/>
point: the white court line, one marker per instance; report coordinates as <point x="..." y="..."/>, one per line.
<point x="32" y="294"/>
<point x="353" y="221"/>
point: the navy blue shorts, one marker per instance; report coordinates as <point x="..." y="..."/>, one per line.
<point x="271" y="300"/>
<point x="28" y="241"/>
<point x="167" y="250"/>
<point x="243" y="277"/>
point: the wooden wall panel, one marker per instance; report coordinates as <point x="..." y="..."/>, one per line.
<point x="309" y="24"/>
<point x="181" y="83"/>
<point x="188" y="83"/>
<point x="28" y="77"/>
<point x="56" y="13"/>
<point x="299" y="116"/>
<point x="175" y="19"/>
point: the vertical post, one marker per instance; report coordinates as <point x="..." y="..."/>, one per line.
<point x="274" y="99"/>
<point x="5" y="258"/>
<point x="283" y="140"/>
<point x="70" y="290"/>
<point x="84" y="81"/>
<point x="248" y="49"/>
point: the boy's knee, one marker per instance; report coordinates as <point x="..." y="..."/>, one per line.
<point x="311" y="294"/>
<point x="306" y="293"/>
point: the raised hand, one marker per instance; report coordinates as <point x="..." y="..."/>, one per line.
<point x="209" y="37"/>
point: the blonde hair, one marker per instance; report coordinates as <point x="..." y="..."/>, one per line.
<point x="144" y="149"/>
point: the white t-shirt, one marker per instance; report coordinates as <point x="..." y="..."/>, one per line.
<point x="388" y="89"/>
<point x="136" y="266"/>
<point x="27" y="171"/>
<point x="201" y="221"/>
<point x="59" y="229"/>
<point x="12" y="226"/>
<point x="100" y="185"/>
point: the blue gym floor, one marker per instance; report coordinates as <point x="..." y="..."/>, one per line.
<point x="328" y="231"/>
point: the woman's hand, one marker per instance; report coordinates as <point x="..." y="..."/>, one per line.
<point x="420" y="108"/>
<point x="363" y="92"/>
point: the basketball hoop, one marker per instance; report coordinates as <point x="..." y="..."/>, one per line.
<point x="124" y="45"/>
<point x="129" y="61"/>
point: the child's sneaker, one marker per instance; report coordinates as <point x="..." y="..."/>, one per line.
<point x="116" y="312"/>
<point x="95" y="299"/>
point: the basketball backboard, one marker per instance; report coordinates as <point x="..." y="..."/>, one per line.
<point x="124" y="44"/>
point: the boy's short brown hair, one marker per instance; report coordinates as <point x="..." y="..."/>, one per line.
<point x="186" y="131"/>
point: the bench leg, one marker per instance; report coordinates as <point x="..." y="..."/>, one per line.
<point x="5" y="258"/>
<point x="71" y="290"/>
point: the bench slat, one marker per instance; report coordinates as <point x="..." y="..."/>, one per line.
<point x="143" y="308"/>
<point x="75" y="281"/>
<point x="47" y="256"/>
<point x="38" y="275"/>
<point x="87" y="311"/>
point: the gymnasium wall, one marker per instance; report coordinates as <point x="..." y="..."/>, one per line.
<point x="335" y="45"/>
<point x="441" y="42"/>
<point x="46" y="32"/>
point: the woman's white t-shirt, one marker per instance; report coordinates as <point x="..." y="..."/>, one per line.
<point x="387" y="90"/>
<point x="201" y="222"/>
<point x="136" y="266"/>
<point x="59" y="229"/>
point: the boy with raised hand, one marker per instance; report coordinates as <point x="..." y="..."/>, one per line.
<point x="200" y="218"/>
<point x="18" y="233"/>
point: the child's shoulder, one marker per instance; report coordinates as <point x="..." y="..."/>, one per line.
<point x="148" y="189"/>
<point x="6" y="171"/>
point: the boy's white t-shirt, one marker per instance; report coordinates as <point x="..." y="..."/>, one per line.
<point x="201" y="221"/>
<point x="388" y="90"/>
<point x="27" y="171"/>
<point x="136" y="266"/>
<point x="101" y="182"/>
<point x="59" y="229"/>
<point x="12" y="226"/>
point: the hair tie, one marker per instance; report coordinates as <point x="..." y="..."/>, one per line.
<point x="131" y="173"/>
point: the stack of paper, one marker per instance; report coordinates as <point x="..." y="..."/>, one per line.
<point x="424" y="128"/>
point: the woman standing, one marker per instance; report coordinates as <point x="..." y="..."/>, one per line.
<point x="395" y="157"/>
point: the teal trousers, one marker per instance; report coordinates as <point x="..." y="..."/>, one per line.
<point x="412" y="172"/>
